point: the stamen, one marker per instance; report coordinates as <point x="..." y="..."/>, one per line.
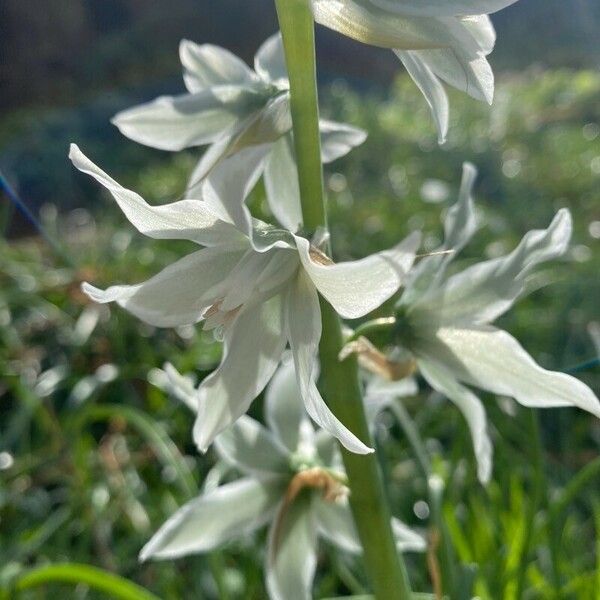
<point x="319" y="256"/>
<point x="314" y="478"/>
<point x="215" y="318"/>
<point x="375" y="361"/>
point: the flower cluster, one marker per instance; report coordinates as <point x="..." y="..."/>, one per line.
<point x="443" y="323"/>
<point x="445" y="40"/>
<point x="292" y="479"/>
<point x="260" y="287"/>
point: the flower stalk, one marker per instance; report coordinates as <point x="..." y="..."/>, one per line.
<point x="340" y="379"/>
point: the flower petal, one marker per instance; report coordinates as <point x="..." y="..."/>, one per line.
<point x="461" y="222"/>
<point x="205" y="66"/>
<point x="281" y="183"/>
<point x="356" y="288"/>
<point x="177" y="122"/>
<point x="205" y="523"/>
<point x="284" y="409"/>
<point x="187" y="219"/>
<point x="229" y="185"/>
<point x="269" y="62"/>
<point x="179" y="294"/>
<point x="463" y="69"/>
<point x="337" y="139"/>
<point x="370" y="24"/>
<point x="482" y="30"/>
<point x="183" y="388"/>
<point x="441" y="379"/>
<point x="407" y="540"/>
<point x="251" y="448"/>
<point x="303" y="327"/>
<point x="488" y="289"/>
<point x="261" y="128"/>
<point x="493" y="360"/>
<point x="380" y="394"/>
<point x="459" y="226"/>
<point x="443" y="8"/>
<point x="253" y="347"/>
<point x="336" y="524"/>
<point x="430" y="87"/>
<point x="291" y="552"/>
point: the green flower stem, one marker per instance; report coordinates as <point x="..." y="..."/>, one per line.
<point x="341" y="385"/>
<point x="383" y="324"/>
<point x="448" y="560"/>
<point x="297" y="27"/>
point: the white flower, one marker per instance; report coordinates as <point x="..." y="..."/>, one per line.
<point x="436" y="40"/>
<point x="256" y="284"/>
<point x="292" y="479"/>
<point x="233" y="107"/>
<point x="445" y="322"/>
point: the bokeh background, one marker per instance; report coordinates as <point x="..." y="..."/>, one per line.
<point x="94" y="455"/>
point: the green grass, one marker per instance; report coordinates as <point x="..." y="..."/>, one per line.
<point x="95" y="458"/>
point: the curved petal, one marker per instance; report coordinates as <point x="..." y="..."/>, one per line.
<point x="253" y="347"/>
<point x="364" y="21"/>
<point x="260" y="129"/>
<point x="482" y="30"/>
<point x="284" y="410"/>
<point x="459" y="226"/>
<point x="291" y="552"/>
<point x="269" y="62"/>
<point x="281" y="184"/>
<point x="442" y="380"/>
<point x="463" y="69"/>
<point x="179" y="294"/>
<point x="380" y="394"/>
<point x="337" y="139"/>
<point x="229" y="185"/>
<point x="493" y="360"/>
<point x="461" y="222"/>
<point x="356" y="288"/>
<point x="336" y="524"/>
<point x="205" y="66"/>
<point x="488" y="289"/>
<point x="407" y="540"/>
<point x="251" y="448"/>
<point x="184" y="220"/>
<point x="303" y="328"/>
<point x="430" y="87"/>
<point x="443" y="8"/>
<point x="205" y="523"/>
<point x="182" y="387"/>
<point x="177" y="122"/>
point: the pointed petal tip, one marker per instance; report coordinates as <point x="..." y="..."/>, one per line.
<point x="74" y="151"/>
<point x="201" y="440"/>
<point x="92" y="292"/>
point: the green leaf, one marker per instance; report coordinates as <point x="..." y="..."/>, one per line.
<point x="98" y="579"/>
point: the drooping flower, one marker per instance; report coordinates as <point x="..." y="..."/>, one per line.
<point x="255" y="284"/>
<point x="445" y="322"/>
<point x="445" y="40"/>
<point x="232" y="107"/>
<point x="292" y="480"/>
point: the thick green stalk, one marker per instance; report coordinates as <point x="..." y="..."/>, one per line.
<point x="341" y="385"/>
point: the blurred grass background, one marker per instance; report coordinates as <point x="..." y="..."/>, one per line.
<point x="93" y="457"/>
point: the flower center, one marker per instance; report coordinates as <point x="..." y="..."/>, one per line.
<point x="217" y="319"/>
